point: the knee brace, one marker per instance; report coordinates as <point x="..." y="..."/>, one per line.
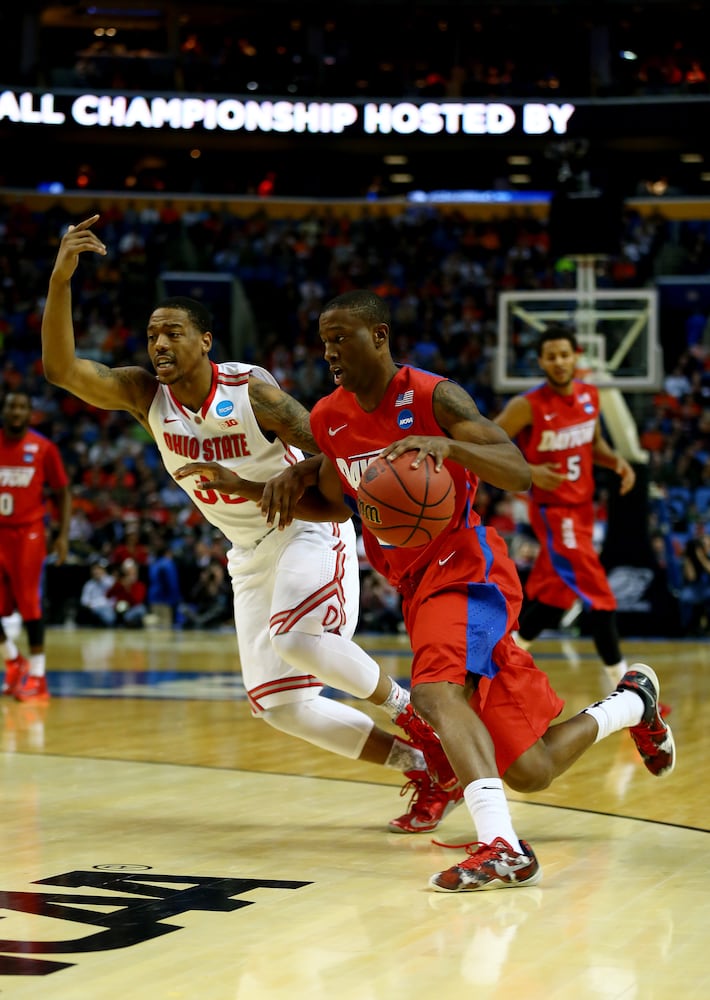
<point x="340" y="663"/>
<point x="325" y="723"/>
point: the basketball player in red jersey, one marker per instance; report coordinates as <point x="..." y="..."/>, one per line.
<point x="295" y="592"/>
<point x="29" y="464"/>
<point x="557" y="428"/>
<point x="490" y="705"/>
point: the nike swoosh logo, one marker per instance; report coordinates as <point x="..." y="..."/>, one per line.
<point x="442" y="562"/>
<point x="335" y="430"/>
<point x="549" y="416"/>
<point x="513" y="862"/>
<point x="171" y="420"/>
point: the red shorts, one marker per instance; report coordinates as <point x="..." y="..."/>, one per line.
<point x="567" y="566"/>
<point x="459" y="619"/>
<point x="22" y="554"/>
<point x="517" y="705"/>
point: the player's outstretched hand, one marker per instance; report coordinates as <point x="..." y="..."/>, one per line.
<point x="77" y="239"/>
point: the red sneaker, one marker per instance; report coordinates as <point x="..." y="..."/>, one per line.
<point x="490" y="866"/>
<point x="15" y="670"/>
<point x="428" y="806"/>
<point x="652" y="736"/>
<point x="423" y="737"/>
<point x="32" y="689"/>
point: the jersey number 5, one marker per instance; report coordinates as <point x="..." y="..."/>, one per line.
<point x="574" y="467"/>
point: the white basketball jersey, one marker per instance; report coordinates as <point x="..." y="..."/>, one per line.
<point x="224" y="430"/>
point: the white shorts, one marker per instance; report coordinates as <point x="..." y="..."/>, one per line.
<point x="305" y="579"/>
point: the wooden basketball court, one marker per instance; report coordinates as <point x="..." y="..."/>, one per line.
<point x="160" y="843"/>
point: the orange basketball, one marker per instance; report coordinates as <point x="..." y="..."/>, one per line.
<point x="403" y="506"/>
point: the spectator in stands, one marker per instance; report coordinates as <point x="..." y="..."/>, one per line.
<point x="379" y="604"/>
<point x="129" y="594"/>
<point x="524" y="548"/>
<point x="164" y="595"/>
<point x="694" y="595"/>
<point x="131" y="547"/>
<point x="677" y="383"/>
<point x="95" y="606"/>
<point x="209" y="603"/>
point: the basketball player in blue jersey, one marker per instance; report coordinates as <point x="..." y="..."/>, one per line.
<point x="295" y="591"/>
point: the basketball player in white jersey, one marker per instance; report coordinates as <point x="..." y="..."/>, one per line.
<point x="296" y="596"/>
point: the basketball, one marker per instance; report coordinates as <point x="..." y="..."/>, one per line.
<point x="403" y="506"/>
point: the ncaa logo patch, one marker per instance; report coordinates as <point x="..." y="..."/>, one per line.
<point x="589" y="408"/>
<point x="405" y="420"/>
<point x="224" y="408"/>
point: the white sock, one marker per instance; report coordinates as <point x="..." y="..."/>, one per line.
<point x="37" y="664"/>
<point x="396" y="701"/>
<point x="489" y="810"/>
<point x="616" y="671"/>
<point x="619" y="710"/>
<point x="404" y="757"/>
<point x="9" y="649"/>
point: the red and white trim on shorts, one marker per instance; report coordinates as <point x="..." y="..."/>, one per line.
<point x="330" y="593"/>
<point x="284" y="684"/>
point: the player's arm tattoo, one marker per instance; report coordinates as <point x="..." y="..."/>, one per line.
<point x="124" y="377"/>
<point x="453" y="401"/>
<point x="458" y="415"/>
<point x="278" y="412"/>
<point x="131" y="388"/>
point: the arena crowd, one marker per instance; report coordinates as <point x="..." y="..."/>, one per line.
<point x="441" y="273"/>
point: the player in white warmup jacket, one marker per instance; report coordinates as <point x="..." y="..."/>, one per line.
<point x="296" y="593"/>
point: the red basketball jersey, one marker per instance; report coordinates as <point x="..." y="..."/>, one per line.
<point x="351" y="438"/>
<point x="562" y="433"/>
<point x="26" y="466"/>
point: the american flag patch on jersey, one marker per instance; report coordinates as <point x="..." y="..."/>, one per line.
<point x="405" y="398"/>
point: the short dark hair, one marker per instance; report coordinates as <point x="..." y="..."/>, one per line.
<point x="556" y="331"/>
<point x="198" y="313"/>
<point x="367" y="304"/>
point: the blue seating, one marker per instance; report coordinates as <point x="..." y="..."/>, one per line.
<point x="678" y="501"/>
<point x="701" y="498"/>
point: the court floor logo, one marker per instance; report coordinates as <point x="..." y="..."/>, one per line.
<point x="141" y="902"/>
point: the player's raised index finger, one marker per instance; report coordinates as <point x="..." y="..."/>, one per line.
<point x="86" y="223"/>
